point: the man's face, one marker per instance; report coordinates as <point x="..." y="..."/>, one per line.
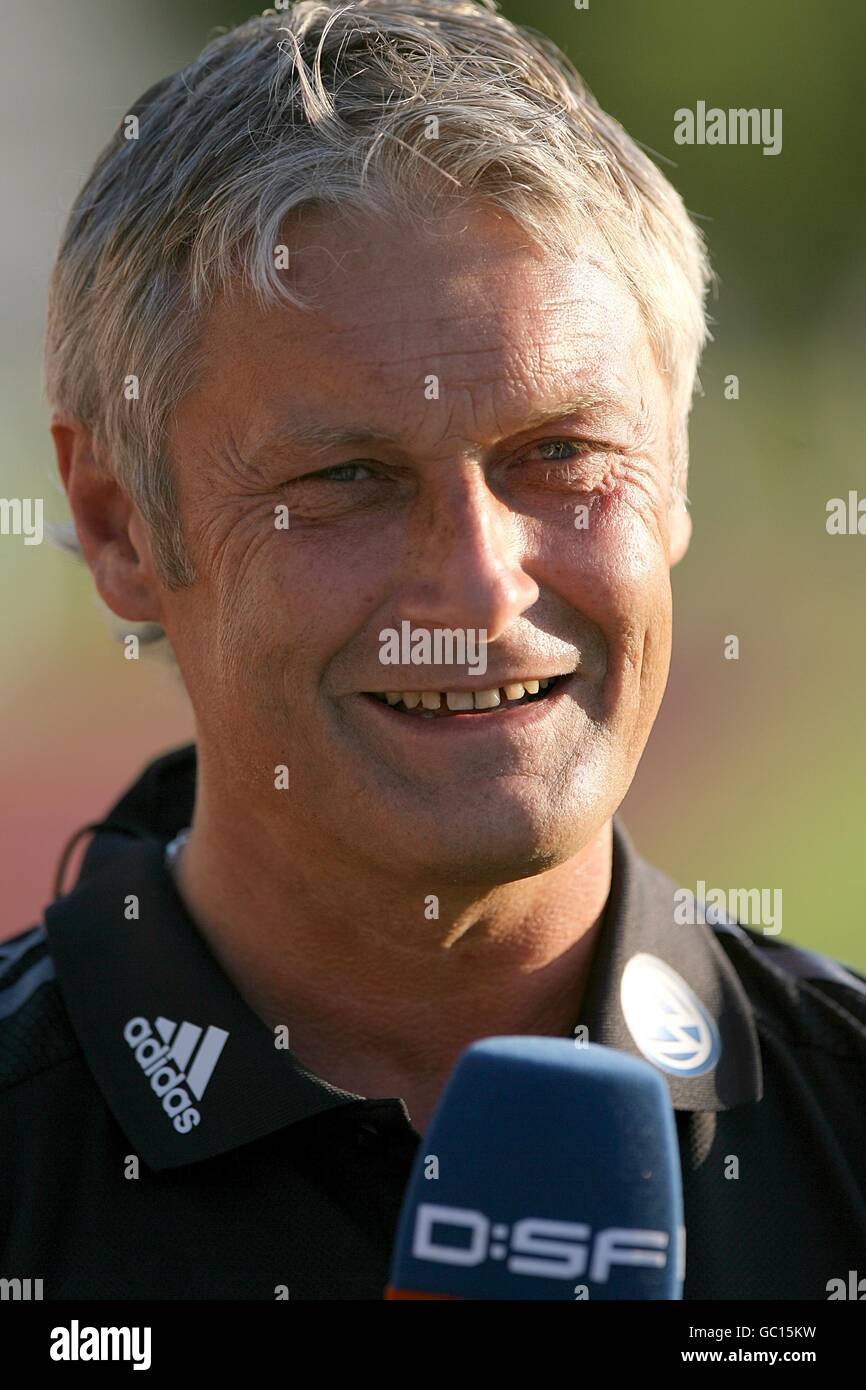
<point x="468" y="434"/>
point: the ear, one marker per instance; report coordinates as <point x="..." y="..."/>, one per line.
<point x="111" y="531"/>
<point x="681" y="530"/>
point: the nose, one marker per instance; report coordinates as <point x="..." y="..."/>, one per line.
<point x="465" y="568"/>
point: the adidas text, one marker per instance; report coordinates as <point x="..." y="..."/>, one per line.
<point x="165" y="1057"/>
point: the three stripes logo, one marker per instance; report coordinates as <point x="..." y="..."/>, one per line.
<point x="181" y="1063"/>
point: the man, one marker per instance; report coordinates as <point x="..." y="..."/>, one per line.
<point x="376" y="344"/>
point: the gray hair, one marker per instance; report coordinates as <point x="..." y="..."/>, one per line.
<point x="392" y="106"/>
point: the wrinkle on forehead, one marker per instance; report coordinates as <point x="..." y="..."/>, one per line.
<point x="502" y="325"/>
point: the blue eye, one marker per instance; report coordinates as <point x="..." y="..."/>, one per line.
<point x="557" y="446"/>
<point x="337" y="474"/>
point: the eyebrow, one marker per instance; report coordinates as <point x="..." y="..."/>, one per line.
<point x="576" y="405"/>
<point x="324" y="437"/>
<point x="320" y="436"/>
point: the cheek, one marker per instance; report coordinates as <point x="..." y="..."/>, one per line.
<point x="287" y="602"/>
<point x="632" y="559"/>
<point x="614" y="574"/>
<point x="614" y="569"/>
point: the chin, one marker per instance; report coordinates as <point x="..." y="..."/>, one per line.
<point x="489" y="849"/>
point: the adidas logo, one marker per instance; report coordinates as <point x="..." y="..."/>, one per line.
<point x="171" y="1062"/>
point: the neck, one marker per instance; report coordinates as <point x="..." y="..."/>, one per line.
<point x="381" y="987"/>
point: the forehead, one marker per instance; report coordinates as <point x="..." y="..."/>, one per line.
<point x="467" y="301"/>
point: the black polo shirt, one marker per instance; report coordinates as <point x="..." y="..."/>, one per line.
<point x="155" y="1143"/>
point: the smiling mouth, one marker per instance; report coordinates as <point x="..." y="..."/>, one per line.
<point x="444" y="704"/>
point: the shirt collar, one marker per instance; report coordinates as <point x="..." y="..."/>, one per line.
<point x="190" y="1071"/>
<point x="149" y="1004"/>
<point x="668" y="993"/>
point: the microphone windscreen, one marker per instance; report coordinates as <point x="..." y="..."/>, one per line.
<point x="549" y="1171"/>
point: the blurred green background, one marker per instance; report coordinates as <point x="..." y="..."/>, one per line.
<point x="754" y="776"/>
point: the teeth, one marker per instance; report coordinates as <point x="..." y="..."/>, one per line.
<point x="459" y="699"/>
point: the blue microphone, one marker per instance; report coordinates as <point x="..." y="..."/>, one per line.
<point x="548" y="1171"/>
